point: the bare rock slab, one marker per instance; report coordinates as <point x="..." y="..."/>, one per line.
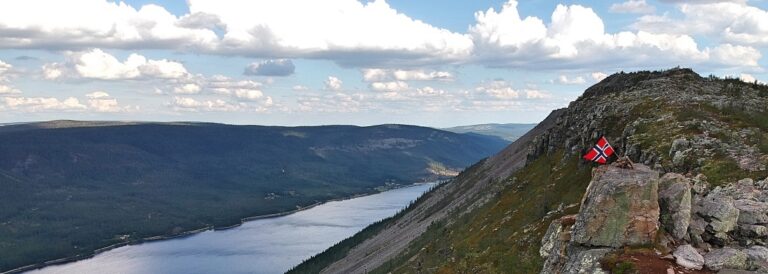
<point x="688" y="257"/>
<point x="724" y="258"/>
<point x="620" y="207"/>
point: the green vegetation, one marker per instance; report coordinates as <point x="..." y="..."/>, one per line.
<point x="503" y="235"/>
<point x="67" y="191"/>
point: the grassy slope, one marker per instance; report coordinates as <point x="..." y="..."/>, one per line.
<point x="502" y="236"/>
<point x="68" y="191"/>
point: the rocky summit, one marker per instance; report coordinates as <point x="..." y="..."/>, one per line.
<point x="695" y="201"/>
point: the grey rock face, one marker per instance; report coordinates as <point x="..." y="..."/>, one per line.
<point x="752" y="212"/>
<point x="620" y="208"/>
<point x="687" y="256"/>
<point x="585" y="261"/>
<point x="721" y="214"/>
<point x="726" y="258"/>
<point x="675" y="204"/>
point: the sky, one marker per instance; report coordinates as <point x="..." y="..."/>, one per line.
<point x="291" y="62"/>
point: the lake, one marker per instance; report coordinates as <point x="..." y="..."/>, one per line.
<point x="271" y="245"/>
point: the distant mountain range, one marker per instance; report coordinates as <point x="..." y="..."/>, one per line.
<point x="71" y="187"/>
<point x="509" y="132"/>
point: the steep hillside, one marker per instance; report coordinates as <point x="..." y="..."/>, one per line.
<point x="71" y="187"/>
<point x="509" y="132"/>
<point x="492" y="217"/>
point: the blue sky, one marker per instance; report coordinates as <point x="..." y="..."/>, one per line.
<point x="292" y="62"/>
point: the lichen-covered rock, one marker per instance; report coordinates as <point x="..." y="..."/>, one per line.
<point x="675" y="204"/>
<point x="619" y="208"/>
<point x="551" y="238"/>
<point x="585" y="261"/>
<point x="752" y="212"/>
<point x="687" y="256"/>
<point x="721" y="214"/>
<point x="555" y="243"/>
<point x="757" y="257"/>
<point x="753" y="231"/>
<point x="726" y="258"/>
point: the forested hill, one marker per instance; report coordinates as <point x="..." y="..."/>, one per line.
<point x="71" y="187"/>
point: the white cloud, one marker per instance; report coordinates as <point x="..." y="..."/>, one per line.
<point x="429" y="91"/>
<point x="36" y="104"/>
<point x="498" y="90"/>
<point x="632" y="6"/>
<point x="218" y="105"/>
<point x="503" y="90"/>
<point x="378" y="75"/>
<point x="598" y="76"/>
<point x="749" y="78"/>
<point x="564" y="80"/>
<point x="393" y="86"/>
<point x="333" y="83"/>
<point x="299" y="88"/>
<point x="736" y="55"/>
<point x="733" y="21"/>
<point x="5" y="69"/>
<point x="576" y="38"/>
<point x="96" y="23"/>
<point x="280" y="67"/>
<point x="97" y="95"/>
<point x="189" y="88"/>
<point x="347" y="31"/>
<point x="97" y="64"/>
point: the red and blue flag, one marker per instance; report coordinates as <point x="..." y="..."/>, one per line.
<point x="600" y="152"/>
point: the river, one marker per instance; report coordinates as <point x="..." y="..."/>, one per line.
<point x="271" y="245"/>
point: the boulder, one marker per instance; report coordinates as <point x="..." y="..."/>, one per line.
<point x="757" y="256"/>
<point x="620" y="207"/>
<point x="675" y="204"/>
<point x="585" y="261"/>
<point x="753" y="231"/>
<point x="726" y="258"/>
<point x="551" y="238"/>
<point x="752" y="212"/>
<point x="687" y="256"/>
<point x="721" y="214"/>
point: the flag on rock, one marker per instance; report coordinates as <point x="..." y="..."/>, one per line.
<point x="600" y="152"/>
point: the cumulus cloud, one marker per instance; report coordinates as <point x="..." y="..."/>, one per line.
<point x="280" y="67"/>
<point x="394" y="86"/>
<point x="5" y="70"/>
<point x="333" y="83"/>
<point x="598" y="76"/>
<point x="194" y="105"/>
<point x="347" y="31"/>
<point x="632" y="6"/>
<point x="37" y="104"/>
<point x="565" y="80"/>
<point x="503" y="90"/>
<point x="100" y="101"/>
<point x="735" y="21"/>
<point x="299" y="88"/>
<point x="575" y="38"/>
<point x="371" y="75"/>
<point x="189" y="88"/>
<point x="97" y="64"/>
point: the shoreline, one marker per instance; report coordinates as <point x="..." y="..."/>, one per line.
<point x="189" y="233"/>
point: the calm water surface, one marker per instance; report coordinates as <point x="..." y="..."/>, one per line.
<point x="261" y="246"/>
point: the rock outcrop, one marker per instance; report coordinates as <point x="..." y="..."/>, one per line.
<point x="675" y="204"/>
<point x="620" y="208"/>
<point x="722" y="229"/>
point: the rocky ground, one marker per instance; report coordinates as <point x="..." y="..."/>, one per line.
<point x="632" y="219"/>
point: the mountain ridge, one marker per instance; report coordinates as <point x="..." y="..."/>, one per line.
<point x="671" y="120"/>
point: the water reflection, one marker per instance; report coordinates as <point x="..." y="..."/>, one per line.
<point x="260" y="246"/>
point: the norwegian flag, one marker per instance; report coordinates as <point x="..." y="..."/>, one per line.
<point x="600" y="152"/>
